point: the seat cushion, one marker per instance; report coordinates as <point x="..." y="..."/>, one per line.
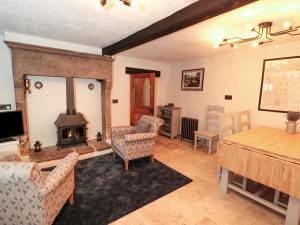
<point x="142" y="127"/>
<point x="206" y="133"/>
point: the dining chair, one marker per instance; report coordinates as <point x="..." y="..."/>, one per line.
<point x="227" y="127"/>
<point x="243" y="123"/>
<point x="244" y="120"/>
<point x="227" y="124"/>
<point x="212" y="125"/>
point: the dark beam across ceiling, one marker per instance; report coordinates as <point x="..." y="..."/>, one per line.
<point x="188" y="16"/>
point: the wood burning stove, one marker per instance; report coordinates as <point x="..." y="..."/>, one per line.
<point x="71" y="130"/>
<point x="71" y="126"/>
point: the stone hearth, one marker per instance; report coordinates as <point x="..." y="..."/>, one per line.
<point x="43" y="61"/>
<point x="51" y="153"/>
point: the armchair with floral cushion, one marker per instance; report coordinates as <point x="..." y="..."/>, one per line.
<point x="133" y="142"/>
<point x="30" y="196"/>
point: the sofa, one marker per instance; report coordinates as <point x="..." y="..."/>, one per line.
<point x="31" y="196"/>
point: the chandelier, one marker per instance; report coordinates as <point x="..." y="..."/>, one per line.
<point x="263" y="35"/>
<point x="125" y="2"/>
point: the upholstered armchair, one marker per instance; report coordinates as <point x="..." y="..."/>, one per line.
<point x="129" y="144"/>
<point x="30" y="196"/>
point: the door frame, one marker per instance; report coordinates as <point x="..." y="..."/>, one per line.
<point x="132" y="97"/>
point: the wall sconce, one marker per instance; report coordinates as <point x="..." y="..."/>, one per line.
<point x="38" y="85"/>
<point x="91" y="86"/>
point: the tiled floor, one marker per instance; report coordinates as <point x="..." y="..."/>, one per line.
<point x="200" y="202"/>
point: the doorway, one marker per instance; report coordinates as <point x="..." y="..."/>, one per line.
<point x="142" y="88"/>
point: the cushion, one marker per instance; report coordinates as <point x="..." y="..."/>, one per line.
<point x="142" y="127"/>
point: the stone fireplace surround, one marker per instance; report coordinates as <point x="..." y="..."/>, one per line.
<point x="43" y="61"/>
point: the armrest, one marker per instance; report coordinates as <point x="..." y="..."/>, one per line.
<point x="59" y="173"/>
<point x="11" y="158"/>
<point x="20" y="170"/>
<point x="121" y="131"/>
<point x="139" y="137"/>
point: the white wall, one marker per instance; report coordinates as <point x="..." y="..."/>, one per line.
<point x="89" y="104"/>
<point x="27" y="39"/>
<point x="121" y="86"/>
<point x="238" y="74"/>
<point x="7" y="94"/>
<point x="45" y="105"/>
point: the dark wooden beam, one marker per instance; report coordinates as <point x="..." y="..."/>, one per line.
<point x="188" y="16"/>
<point x="132" y="70"/>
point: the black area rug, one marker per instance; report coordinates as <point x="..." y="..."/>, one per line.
<point x="105" y="192"/>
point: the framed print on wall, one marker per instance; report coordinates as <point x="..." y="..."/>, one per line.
<point x="280" y="85"/>
<point x="192" y="80"/>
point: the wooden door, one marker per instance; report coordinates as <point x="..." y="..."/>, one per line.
<point x="142" y="88"/>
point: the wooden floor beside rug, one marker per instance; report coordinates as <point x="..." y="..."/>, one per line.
<point x="200" y="202"/>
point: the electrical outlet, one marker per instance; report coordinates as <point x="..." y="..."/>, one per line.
<point x="228" y="97"/>
<point x="5" y="107"/>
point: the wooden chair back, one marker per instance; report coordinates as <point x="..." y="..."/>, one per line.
<point x="244" y="120"/>
<point x="212" y="118"/>
<point x="227" y="124"/>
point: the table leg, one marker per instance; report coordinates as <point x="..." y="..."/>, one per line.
<point x="244" y="185"/>
<point x="209" y="146"/>
<point x="276" y="197"/>
<point x="195" y="142"/>
<point x="293" y="211"/>
<point x="224" y="180"/>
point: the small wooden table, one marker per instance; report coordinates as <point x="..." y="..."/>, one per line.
<point x="266" y="155"/>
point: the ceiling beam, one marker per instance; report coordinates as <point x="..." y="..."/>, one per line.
<point x="197" y="12"/>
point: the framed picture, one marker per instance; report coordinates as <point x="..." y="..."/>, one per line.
<point x="280" y="85"/>
<point x="192" y="80"/>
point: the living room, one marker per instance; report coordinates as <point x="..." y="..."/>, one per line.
<point x="77" y="76"/>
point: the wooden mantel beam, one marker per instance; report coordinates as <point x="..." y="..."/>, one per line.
<point x="188" y="16"/>
<point x="50" y="50"/>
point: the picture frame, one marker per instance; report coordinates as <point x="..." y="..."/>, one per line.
<point x="192" y="80"/>
<point x="280" y="85"/>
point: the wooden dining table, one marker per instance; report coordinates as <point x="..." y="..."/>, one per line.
<point x="269" y="156"/>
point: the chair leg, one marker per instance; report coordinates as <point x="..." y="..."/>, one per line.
<point x="209" y="146"/>
<point x="152" y="158"/>
<point x="114" y="154"/>
<point x="126" y="165"/>
<point x="71" y="199"/>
